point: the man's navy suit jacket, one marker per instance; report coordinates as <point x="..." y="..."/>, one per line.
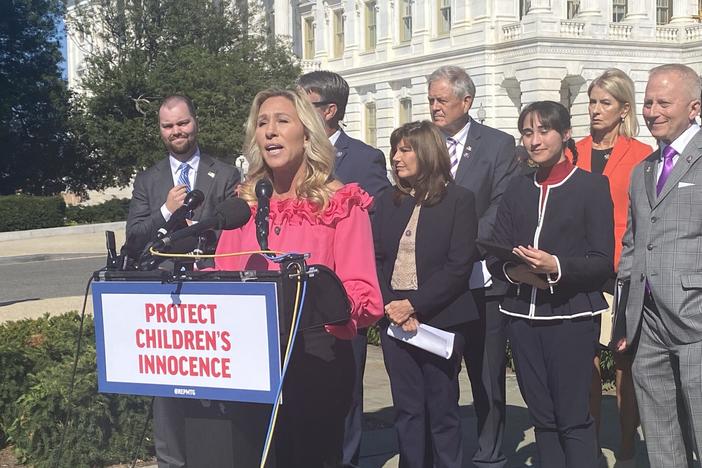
<point x="360" y="163"/>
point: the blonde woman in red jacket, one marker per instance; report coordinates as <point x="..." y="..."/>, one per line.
<point x="612" y="150"/>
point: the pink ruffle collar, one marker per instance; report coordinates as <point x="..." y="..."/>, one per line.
<point x="299" y="210"/>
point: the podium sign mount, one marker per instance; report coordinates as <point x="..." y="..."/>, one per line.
<point x="209" y="340"/>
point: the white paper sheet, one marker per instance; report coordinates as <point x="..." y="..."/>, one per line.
<point x="426" y="337"/>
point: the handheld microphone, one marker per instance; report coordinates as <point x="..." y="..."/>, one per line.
<point x="193" y="199"/>
<point x="264" y="190"/>
<point x="232" y="213"/>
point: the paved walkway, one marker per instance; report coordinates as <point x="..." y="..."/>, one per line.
<point x="379" y="448"/>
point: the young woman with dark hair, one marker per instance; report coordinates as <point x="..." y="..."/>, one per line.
<point x="559" y="223"/>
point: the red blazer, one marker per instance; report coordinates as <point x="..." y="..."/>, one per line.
<point x="626" y="154"/>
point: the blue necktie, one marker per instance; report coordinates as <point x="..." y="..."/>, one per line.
<point x="183" y="179"/>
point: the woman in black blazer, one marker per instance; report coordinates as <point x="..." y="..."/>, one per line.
<point x="560" y="224"/>
<point x="424" y="232"/>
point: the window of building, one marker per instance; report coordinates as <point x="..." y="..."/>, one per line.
<point x="664" y="11"/>
<point x="618" y="10"/>
<point x="371" y="25"/>
<point x="370" y="124"/>
<point x="405" y="20"/>
<point x="405" y="110"/>
<point x="308" y="34"/>
<point x="338" y="33"/>
<point x="524" y="6"/>
<point x="573" y="6"/>
<point x="444" y="26"/>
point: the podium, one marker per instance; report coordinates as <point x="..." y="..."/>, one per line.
<point x="214" y="339"/>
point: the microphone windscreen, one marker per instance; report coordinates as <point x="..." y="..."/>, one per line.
<point x="232" y="213"/>
<point x="194" y="199"/>
<point x="264" y="188"/>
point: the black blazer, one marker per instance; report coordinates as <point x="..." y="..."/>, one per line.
<point x="216" y="179"/>
<point x="360" y="163"/>
<point x="577" y="226"/>
<point x="445" y="252"/>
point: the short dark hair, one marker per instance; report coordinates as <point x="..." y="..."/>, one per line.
<point x="175" y="98"/>
<point x="330" y="86"/>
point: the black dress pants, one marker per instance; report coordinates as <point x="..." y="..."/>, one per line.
<point x="554" y="371"/>
<point x="425" y="398"/>
<point x="486" y="363"/>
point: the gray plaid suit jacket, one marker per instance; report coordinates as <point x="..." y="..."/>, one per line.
<point x="663" y="245"/>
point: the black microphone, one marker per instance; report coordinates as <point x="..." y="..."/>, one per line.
<point x="193" y="199"/>
<point x="232" y="213"/>
<point x="264" y="190"/>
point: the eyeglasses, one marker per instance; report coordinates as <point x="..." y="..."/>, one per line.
<point x="322" y="103"/>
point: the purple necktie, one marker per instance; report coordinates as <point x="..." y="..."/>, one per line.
<point x="668" y="154"/>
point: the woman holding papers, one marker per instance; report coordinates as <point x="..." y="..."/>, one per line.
<point x="424" y="231"/>
<point x="559" y="222"/>
<point x="310" y="212"/>
<point x="612" y="150"/>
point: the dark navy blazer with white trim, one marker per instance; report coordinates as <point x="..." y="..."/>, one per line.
<point x="575" y="225"/>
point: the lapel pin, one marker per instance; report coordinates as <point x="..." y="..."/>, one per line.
<point x="648" y="168"/>
<point x="339" y="154"/>
<point x="688" y="159"/>
<point x="211" y="174"/>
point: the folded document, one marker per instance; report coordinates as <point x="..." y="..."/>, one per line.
<point x="426" y="337"/>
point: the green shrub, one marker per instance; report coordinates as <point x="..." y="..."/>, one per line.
<point x="21" y="212"/>
<point x="36" y="362"/>
<point x="112" y="210"/>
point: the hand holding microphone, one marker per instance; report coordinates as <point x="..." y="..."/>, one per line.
<point x="192" y="200"/>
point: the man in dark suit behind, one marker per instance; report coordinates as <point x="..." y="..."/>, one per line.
<point x="365" y="165"/>
<point x="483" y="161"/>
<point x="158" y="192"/>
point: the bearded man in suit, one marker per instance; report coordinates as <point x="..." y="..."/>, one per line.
<point x="483" y="161"/>
<point x="355" y="162"/>
<point x="158" y="193"/>
<point x="662" y="263"/>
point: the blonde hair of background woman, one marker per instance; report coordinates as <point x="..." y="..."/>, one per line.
<point x="621" y="87"/>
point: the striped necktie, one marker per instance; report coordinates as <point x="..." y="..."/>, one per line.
<point x="452" y="146"/>
<point x="183" y="178"/>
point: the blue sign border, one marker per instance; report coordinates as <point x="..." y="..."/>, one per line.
<point x="266" y="289"/>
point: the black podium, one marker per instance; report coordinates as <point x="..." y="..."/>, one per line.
<point x="232" y="433"/>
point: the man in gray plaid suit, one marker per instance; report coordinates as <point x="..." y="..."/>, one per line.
<point x="662" y="258"/>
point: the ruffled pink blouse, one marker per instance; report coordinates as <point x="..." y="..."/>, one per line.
<point x="340" y="238"/>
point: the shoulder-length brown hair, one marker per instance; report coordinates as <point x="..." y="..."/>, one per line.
<point x="433" y="161"/>
<point x="319" y="153"/>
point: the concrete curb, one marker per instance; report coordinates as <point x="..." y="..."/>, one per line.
<point x="62" y="231"/>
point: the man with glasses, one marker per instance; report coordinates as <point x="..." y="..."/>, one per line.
<point x="365" y="165"/>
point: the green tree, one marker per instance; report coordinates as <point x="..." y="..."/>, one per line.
<point x="34" y="100"/>
<point x="143" y="50"/>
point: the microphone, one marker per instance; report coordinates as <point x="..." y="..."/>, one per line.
<point x="193" y="199"/>
<point x="264" y="190"/>
<point x="232" y="213"/>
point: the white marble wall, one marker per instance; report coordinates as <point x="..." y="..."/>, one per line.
<point x="512" y="61"/>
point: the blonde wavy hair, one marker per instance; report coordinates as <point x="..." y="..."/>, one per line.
<point x="318" y="160"/>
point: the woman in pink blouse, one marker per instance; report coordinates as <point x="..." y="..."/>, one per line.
<point x="310" y="212"/>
